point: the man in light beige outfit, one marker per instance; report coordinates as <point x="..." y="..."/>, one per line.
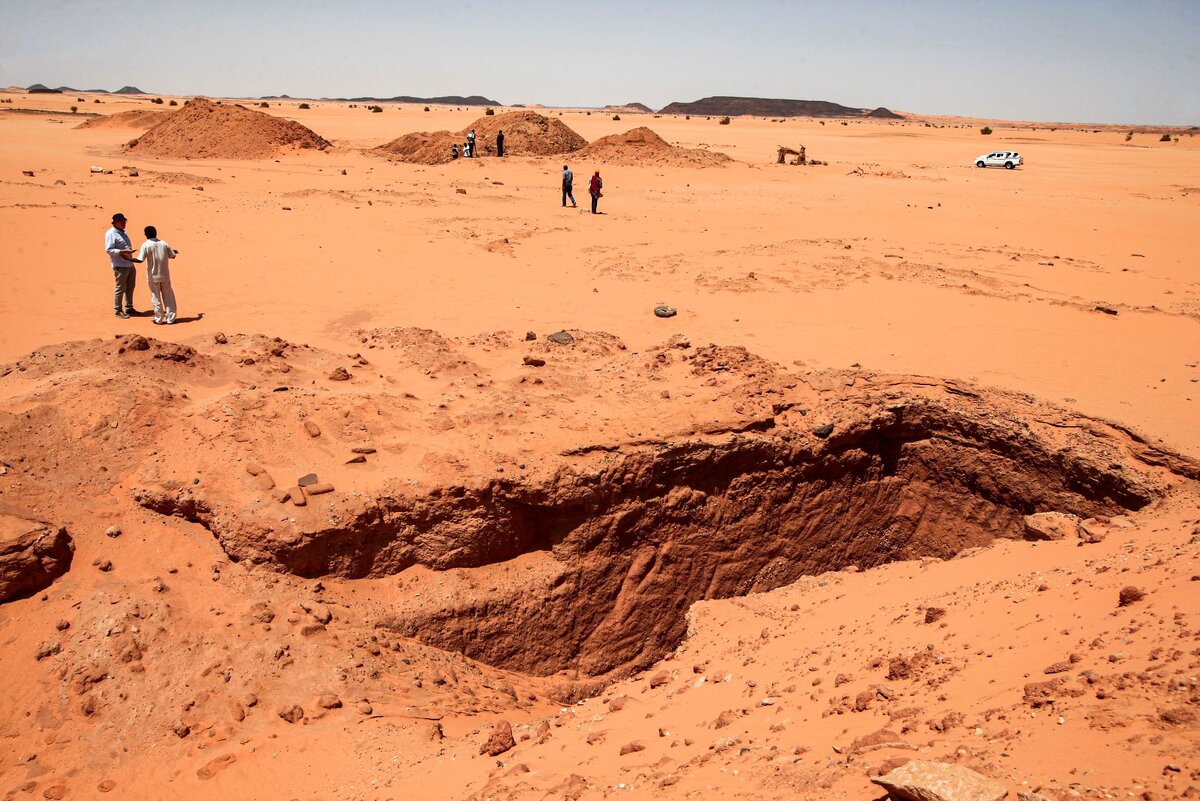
<point x="157" y="253"/>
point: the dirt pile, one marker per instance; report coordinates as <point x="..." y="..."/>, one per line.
<point x="643" y="147"/>
<point x="138" y="118"/>
<point x="202" y="129"/>
<point x="526" y="133"/>
<point x="422" y="147"/>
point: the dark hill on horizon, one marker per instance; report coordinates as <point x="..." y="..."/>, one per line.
<point x="448" y="100"/>
<point x="767" y="107"/>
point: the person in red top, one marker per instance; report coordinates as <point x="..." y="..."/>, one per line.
<point x="594" y="189"/>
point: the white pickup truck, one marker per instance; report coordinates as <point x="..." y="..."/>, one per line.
<point x="1000" y="158"/>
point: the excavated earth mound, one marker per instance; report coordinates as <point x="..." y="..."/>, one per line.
<point x="202" y="129"/>
<point x="138" y="118"/>
<point x="534" y="533"/>
<point x="526" y="133"/>
<point x="422" y="147"/>
<point x="642" y="146"/>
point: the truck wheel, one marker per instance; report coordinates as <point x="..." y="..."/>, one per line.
<point x="979" y="163"/>
<point x="1008" y="165"/>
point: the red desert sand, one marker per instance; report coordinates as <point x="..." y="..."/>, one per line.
<point x="420" y="498"/>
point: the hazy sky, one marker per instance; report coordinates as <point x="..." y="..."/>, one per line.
<point x="1124" y="61"/>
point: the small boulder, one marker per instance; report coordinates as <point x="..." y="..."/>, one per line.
<point x="329" y="701"/>
<point x="1130" y="595"/>
<point x="920" y="780"/>
<point x="339" y="374"/>
<point x="292" y="714"/>
<point x="500" y="741"/>
<point x="561" y="338"/>
<point x="664" y="311"/>
<point x="1051" y="526"/>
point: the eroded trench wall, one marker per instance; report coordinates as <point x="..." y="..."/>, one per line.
<point x="636" y="541"/>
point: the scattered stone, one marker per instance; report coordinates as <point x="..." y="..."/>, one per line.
<point x="61" y="182"/>
<point x="62" y="625"/>
<point x="1051" y="526"/>
<point x="292" y="714"/>
<point x="824" y="431"/>
<point x="364" y="708"/>
<point x="500" y="741"/>
<point x="219" y="338"/>
<point x="104" y="565"/>
<point x="339" y="374"/>
<point x="934" y="613"/>
<point x="27" y="172"/>
<point x="281" y="494"/>
<point x="261" y="613"/>
<point x="329" y="701"/>
<point x="534" y="361"/>
<point x="307" y="480"/>
<point x="1106" y="310"/>
<point x="48" y="649"/>
<point x="919" y="780"/>
<point x="659" y="679"/>
<point x="560" y="338"/>
<point x="359" y="459"/>
<point x="633" y="747"/>
<point x="106" y="786"/>
<point x="55" y="792"/>
<point x="296" y="496"/>
<point x="113" y="531"/>
<point x="530" y="336"/>
<point x="664" y="311"/>
<point x="1022" y="796"/>
<point x="362" y="450"/>
<point x="461" y="191"/>
<point x="320" y="489"/>
<point x="312" y="428"/>
<point x="1057" y="667"/>
<point x="215" y="766"/>
<point x="311" y="629"/>
<point x="1130" y="595"/>
<point x="181" y="729"/>
<point x="320" y="612"/>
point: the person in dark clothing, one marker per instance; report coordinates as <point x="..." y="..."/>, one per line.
<point x="568" y="182"/>
<point x="500" y="144"/>
<point x="594" y="190"/>
<point x="454" y="151"/>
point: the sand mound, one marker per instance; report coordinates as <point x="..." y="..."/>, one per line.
<point x="422" y="147"/>
<point x="526" y="133"/>
<point x="202" y="129"/>
<point x="642" y="146"/>
<point x="139" y="118"/>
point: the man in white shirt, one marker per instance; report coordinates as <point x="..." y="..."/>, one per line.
<point x="120" y="254"/>
<point x="157" y="253"/>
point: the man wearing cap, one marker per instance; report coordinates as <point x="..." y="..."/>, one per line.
<point x="120" y="253"/>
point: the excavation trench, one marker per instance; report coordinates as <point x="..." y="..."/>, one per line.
<point x="592" y="570"/>
<point x="603" y="565"/>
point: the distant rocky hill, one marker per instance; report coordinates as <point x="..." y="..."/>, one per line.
<point x="42" y="89"/>
<point x="448" y="100"/>
<point x="629" y="107"/>
<point x="770" y="107"/>
<point x="39" y="88"/>
<point x="129" y="90"/>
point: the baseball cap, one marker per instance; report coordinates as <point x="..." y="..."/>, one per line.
<point x="118" y="216"/>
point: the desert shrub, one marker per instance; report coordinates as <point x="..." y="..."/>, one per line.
<point x="1165" y="138"/>
<point x="724" y="121"/>
<point x="97" y="100"/>
<point x="173" y="103"/>
<point x="986" y="131"/>
<point x="616" y="116"/>
<point x="74" y="109"/>
<point x="375" y="109"/>
<point x="158" y="101"/>
<point x="1128" y="136"/>
<point x="427" y="108"/>
<point x="264" y="104"/>
<point x="688" y="117"/>
<point x="304" y="105"/>
<point x="491" y="112"/>
<point x="81" y="100"/>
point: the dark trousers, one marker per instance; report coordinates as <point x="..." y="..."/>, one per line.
<point x="499" y="147"/>
<point x="567" y="194"/>
<point x="124" y="279"/>
<point x="595" y="200"/>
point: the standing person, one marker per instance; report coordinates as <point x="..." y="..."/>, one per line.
<point x="568" y="182"/>
<point x="594" y="189"/>
<point x="156" y="253"/>
<point x="500" y="144"/>
<point x="120" y="254"/>
<point x="471" y="144"/>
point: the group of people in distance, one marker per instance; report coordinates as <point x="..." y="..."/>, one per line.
<point x="468" y="148"/>
<point x="568" y="186"/>
<point x="156" y="254"/>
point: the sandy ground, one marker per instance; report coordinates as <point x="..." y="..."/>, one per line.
<point x="897" y="257"/>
